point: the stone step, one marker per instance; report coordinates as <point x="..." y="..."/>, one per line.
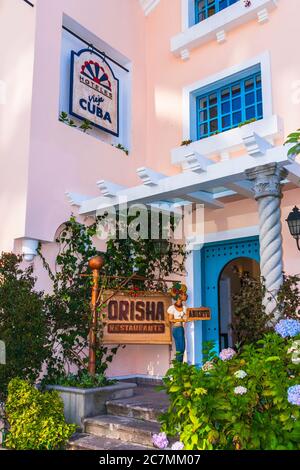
<point x="119" y="408"/>
<point x="129" y="430"/>
<point x="146" y="404"/>
<point x="91" y="442"/>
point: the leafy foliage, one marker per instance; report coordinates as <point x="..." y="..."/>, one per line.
<point x="36" y="419"/>
<point x="149" y="258"/>
<point x="68" y="305"/>
<point x="294" y="138"/>
<point x="121" y="147"/>
<point x="209" y="412"/>
<point x="23" y="323"/>
<point x="84" y="380"/>
<point x="85" y="126"/>
<point x="250" y="319"/>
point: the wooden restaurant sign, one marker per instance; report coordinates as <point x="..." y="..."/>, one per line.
<point x="94" y="91"/>
<point x="142" y="320"/>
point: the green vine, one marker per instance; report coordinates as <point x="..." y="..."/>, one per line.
<point x="68" y="305"/>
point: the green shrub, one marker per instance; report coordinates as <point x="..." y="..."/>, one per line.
<point x="207" y="411"/>
<point x="83" y="380"/>
<point x="23" y="322"/>
<point x="35" y="418"/>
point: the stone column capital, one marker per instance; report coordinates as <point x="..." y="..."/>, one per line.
<point x="267" y="180"/>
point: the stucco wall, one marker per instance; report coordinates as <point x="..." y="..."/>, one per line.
<point x="17" y="30"/>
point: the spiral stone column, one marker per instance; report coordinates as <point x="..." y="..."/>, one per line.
<point x="267" y="188"/>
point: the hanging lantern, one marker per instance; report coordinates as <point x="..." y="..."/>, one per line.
<point x="293" y="221"/>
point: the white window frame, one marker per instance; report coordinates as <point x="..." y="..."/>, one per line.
<point x="216" y="27"/>
<point x="190" y="91"/>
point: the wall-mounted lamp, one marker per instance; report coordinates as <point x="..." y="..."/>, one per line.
<point x="293" y="221"/>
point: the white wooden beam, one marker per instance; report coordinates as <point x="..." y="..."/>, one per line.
<point x="201" y="197"/>
<point x="217" y="175"/>
<point x="109" y="189"/>
<point x="244" y="188"/>
<point x="76" y="199"/>
<point x="294" y="173"/>
<point x="148" y="176"/>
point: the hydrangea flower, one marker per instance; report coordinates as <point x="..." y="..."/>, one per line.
<point x="208" y="365"/>
<point x="160" y="440"/>
<point x="177" y="446"/>
<point x="240" y="390"/>
<point x="288" y="328"/>
<point x="240" y="374"/>
<point x="294" y="395"/>
<point x="227" y="354"/>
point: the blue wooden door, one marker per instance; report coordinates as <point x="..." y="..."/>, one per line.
<point x="215" y="256"/>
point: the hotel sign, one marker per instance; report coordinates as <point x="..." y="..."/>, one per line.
<point x="94" y="91"/>
<point x="142" y="320"/>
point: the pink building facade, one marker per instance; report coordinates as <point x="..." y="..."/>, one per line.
<point x="221" y="74"/>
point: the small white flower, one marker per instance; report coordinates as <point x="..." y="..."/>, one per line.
<point x="240" y="390"/>
<point x="177" y="446"/>
<point x="240" y="374"/>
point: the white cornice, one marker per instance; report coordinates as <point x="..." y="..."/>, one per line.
<point x="148" y="5"/>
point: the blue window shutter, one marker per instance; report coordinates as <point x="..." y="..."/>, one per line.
<point x="229" y="105"/>
<point x="206" y="8"/>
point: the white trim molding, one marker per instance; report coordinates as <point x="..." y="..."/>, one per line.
<point x="196" y="243"/>
<point x="195" y="35"/>
<point x="231" y="140"/>
<point x="148" y="5"/>
<point x="270" y="126"/>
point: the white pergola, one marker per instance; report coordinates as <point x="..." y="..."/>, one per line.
<point x="258" y="174"/>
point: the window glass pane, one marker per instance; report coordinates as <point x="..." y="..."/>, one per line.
<point x="212" y="99"/>
<point x="226" y="121"/>
<point x="249" y="98"/>
<point x="250" y="113"/>
<point x="213" y="126"/>
<point x="213" y="112"/>
<point x="211" y="11"/>
<point x="259" y="95"/>
<point x="258" y="80"/>
<point x="225" y="94"/>
<point x="223" y="4"/>
<point x="236" y="104"/>
<point x="236" y="90"/>
<point x="203" y="129"/>
<point x="203" y="115"/>
<point x="203" y="103"/>
<point x="226" y="107"/>
<point x="236" y="118"/>
<point x="259" y="110"/>
<point x="249" y="84"/>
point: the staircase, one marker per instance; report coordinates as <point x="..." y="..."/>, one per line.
<point x="128" y="425"/>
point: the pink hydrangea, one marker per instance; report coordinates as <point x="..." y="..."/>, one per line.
<point x="208" y="365"/>
<point x="227" y="354"/>
<point x="160" y="440"/>
<point x="177" y="446"/>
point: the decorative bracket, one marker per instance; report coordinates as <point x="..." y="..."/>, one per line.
<point x="148" y="176"/>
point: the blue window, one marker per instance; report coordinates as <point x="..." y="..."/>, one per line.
<point x="206" y="8"/>
<point x="228" y="106"/>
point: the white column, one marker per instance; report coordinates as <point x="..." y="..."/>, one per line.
<point x="267" y="188"/>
